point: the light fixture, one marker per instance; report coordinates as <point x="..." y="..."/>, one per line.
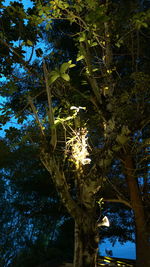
<point x="104" y="222"/>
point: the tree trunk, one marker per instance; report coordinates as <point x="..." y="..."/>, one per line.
<point x="142" y="244"/>
<point x="82" y="210"/>
<point x="86" y="243"/>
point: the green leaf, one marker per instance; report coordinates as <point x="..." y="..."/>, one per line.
<point x="53" y="72"/>
<point x="66" y="77"/>
<point x="84" y="82"/>
<point x="72" y="65"/>
<point x="54" y="75"/>
<point x="64" y="67"/>
<point x="96" y="69"/>
<point x="144" y="24"/>
<point x="94" y="44"/>
<point x="125" y="130"/>
<point x="57" y="121"/>
<point x="66" y="5"/>
<point x="122" y="139"/>
<point x="41" y="12"/>
<point x="29" y="43"/>
<point x="82" y="37"/>
<point x="80" y="58"/>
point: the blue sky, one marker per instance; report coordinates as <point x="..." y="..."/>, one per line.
<point x="26" y="3"/>
<point x="123" y="251"/>
<point x="126" y="251"/>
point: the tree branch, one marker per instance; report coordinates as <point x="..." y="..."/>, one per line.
<point x="119" y="201"/>
<point x="90" y="77"/>
<point x="36" y="115"/>
<point x="62" y="187"/>
<point x="53" y="140"/>
<point x="23" y="62"/>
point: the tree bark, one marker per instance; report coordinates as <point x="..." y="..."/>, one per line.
<point x="82" y="210"/>
<point x="86" y="243"/>
<point x="142" y="244"/>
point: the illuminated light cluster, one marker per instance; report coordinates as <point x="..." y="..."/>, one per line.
<point x="79" y="143"/>
<point x="79" y="147"/>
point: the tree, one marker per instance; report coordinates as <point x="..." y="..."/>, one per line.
<point x="28" y="200"/>
<point x="33" y="209"/>
<point x="116" y="86"/>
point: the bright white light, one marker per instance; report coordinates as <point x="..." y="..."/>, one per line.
<point x="86" y="161"/>
<point x="79" y="147"/>
<point x="104" y="222"/>
<point x="77" y="108"/>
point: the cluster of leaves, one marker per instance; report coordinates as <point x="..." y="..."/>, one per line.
<point x="17" y="32"/>
<point x="29" y="203"/>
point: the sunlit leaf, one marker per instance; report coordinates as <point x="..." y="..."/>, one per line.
<point x="64" y="67"/>
<point x="53" y="76"/>
<point x="66" y="77"/>
<point x="29" y="43"/>
<point x="80" y="58"/>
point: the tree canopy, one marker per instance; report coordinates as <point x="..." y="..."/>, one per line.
<point x="83" y="104"/>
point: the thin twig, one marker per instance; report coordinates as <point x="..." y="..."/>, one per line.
<point x="36" y="115"/>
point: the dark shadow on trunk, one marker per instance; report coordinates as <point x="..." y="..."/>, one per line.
<point x="86" y="243"/>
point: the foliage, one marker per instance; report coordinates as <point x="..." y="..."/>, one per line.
<point x="106" y="72"/>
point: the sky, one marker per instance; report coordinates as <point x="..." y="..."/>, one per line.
<point x="121" y="251"/>
<point x="26" y="3"/>
<point x="126" y="251"/>
<point x="13" y="122"/>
